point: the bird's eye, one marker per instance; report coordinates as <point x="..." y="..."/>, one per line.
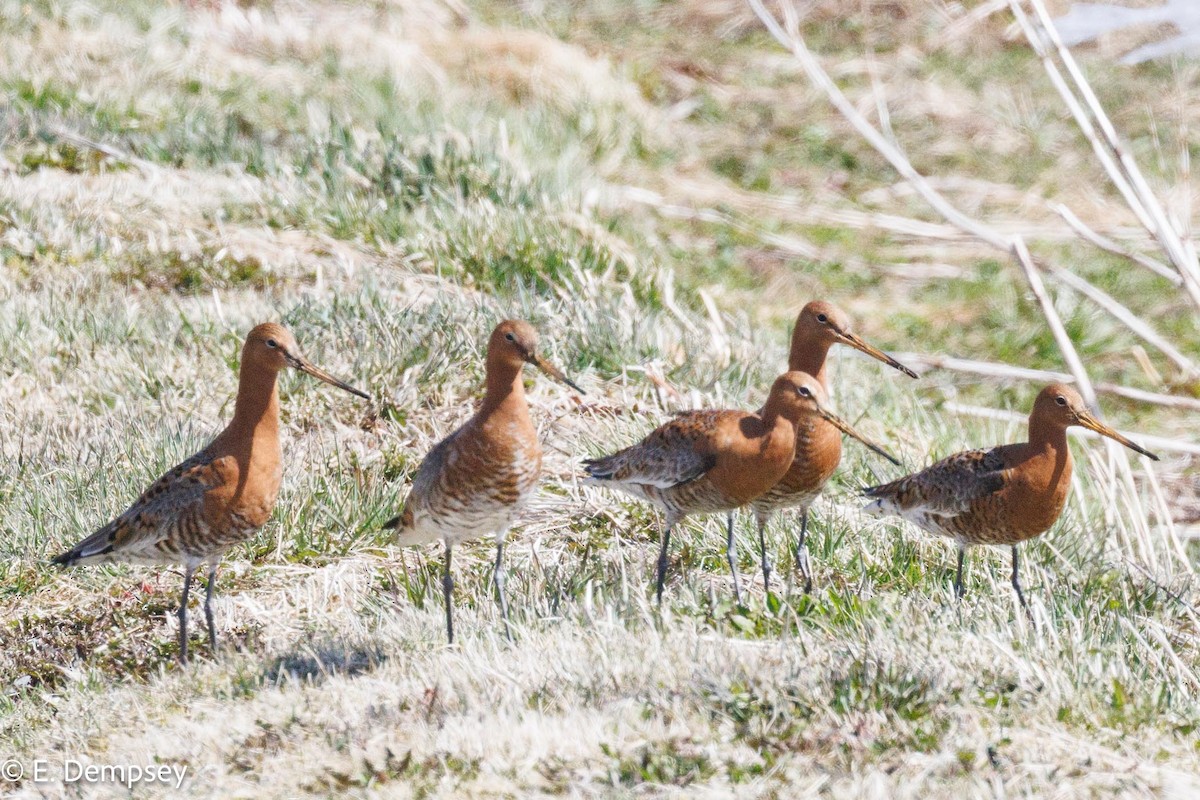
<point x="272" y="343"/>
<point x="510" y="337"/>
<point x="822" y="318"/>
<point x="1062" y="401"/>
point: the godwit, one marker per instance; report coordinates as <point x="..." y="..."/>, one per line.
<point x="476" y="480"/>
<point x="818" y="450"/>
<point x="819" y="326"/>
<point x="1000" y="496"/>
<point x="709" y="461"/>
<point x="220" y="496"/>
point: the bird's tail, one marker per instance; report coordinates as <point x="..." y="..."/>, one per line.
<point x="407" y="533"/>
<point x="883" y="497"/>
<point x="600" y="469"/>
<point x="94" y="549"/>
<point x="607" y="472"/>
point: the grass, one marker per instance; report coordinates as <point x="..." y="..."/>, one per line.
<point x="390" y="181"/>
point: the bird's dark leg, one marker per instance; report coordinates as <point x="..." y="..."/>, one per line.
<point x="448" y="592"/>
<point x="729" y="556"/>
<point x="802" y="553"/>
<point x="766" y="560"/>
<point x="182" y="614"/>
<point x="1016" y="582"/>
<point x="498" y="576"/>
<point x="208" y="609"/>
<point x="662" y="562"/>
<point x="958" y="582"/>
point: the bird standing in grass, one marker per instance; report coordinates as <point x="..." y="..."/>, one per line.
<point x="819" y="326"/>
<point x="818" y="451"/>
<point x="220" y="496"/>
<point x="711" y="461"/>
<point x="1002" y="496"/>
<point x="475" y="481"/>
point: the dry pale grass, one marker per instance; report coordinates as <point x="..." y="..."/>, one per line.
<point x="333" y="678"/>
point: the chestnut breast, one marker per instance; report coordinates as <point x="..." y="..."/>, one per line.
<point x="1036" y="481"/>
<point x="509" y="450"/>
<point x="752" y="456"/>
<point x="1036" y="491"/>
<point x="249" y="485"/>
<point x="818" y="453"/>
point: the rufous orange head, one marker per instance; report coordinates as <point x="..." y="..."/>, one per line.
<point x="514" y="342"/>
<point x="1060" y="406"/>
<point x="798" y="396"/>
<point x="271" y="346"/>
<point x="826" y="324"/>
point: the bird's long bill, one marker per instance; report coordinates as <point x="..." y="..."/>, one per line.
<point x="321" y="375"/>
<point x="874" y="352"/>
<point x="553" y="371"/>
<point x="845" y="428"/>
<point x="1093" y="424"/>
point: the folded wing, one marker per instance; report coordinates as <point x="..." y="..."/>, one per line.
<point x="426" y="481"/>
<point x="947" y="488"/>
<point x="675" y="453"/>
<point x="135" y="535"/>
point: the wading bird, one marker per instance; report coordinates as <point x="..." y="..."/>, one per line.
<point x="475" y="481"/>
<point x="711" y="461"/>
<point x="819" y="326"/>
<point x="1001" y="496"/>
<point x="220" y="496"/>
<point x="818" y="451"/>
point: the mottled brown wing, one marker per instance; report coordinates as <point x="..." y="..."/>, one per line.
<point x="678" y="452"/>
<point x="425" y="482"/>
<point x="152" y="516"/>
<point x="947" y="487"/>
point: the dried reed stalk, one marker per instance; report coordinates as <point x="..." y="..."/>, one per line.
<point x="787" y="34"/>
<point x="997" y="370"/>
<point x="1112" y="153"/>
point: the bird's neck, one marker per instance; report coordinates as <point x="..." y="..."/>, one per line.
<point x="1048" y="469"/>
<point x="808" y="355"/>
<point x="780" y="431"/>
<point x="1048" y="438"/>
<point x="256" y="411"/>
<point x="505" y="389"/>
<point x="773" y="419"/>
